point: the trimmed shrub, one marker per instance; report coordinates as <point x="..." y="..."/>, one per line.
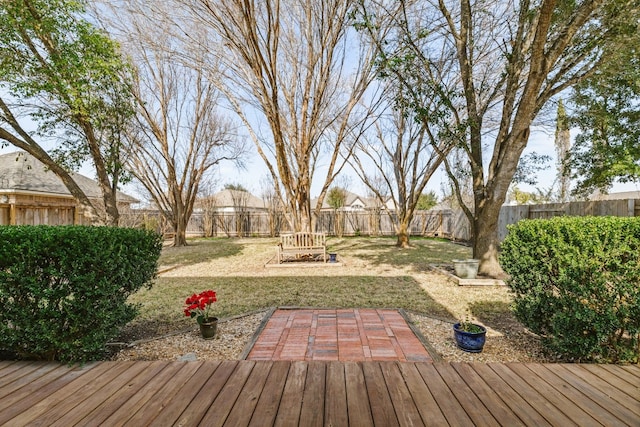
<point x="576" y="282"/>
<point x="63" y="290"/>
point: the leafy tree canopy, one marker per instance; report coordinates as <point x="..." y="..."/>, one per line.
<point x="607" y="114"/>
<point x="427" y="200"/>
<point x="337" y="197"/>
<point x="235" y="187"/>
<point x="65" y="74"/>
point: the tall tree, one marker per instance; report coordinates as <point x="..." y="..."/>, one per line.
<point x="65" y="76"/>
<point x="563" y="144"/>
<point x="296" y="74"/>
<point x="397" y="162"/>
<point x="180" y="136"/>
<point x="511" y="59"/>
<point x="607" y="114"/>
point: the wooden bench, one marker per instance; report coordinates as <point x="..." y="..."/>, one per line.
<point x="300" y="245"/>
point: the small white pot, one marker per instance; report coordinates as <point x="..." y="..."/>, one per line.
<point x="466" y="268"/>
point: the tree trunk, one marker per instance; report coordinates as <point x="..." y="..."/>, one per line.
<point x="485" y="239"/>
<point x="180" y="238"/>
<point x="402" y="235"/>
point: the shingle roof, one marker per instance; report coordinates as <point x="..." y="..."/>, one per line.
<point x="231" y="198"/>
<point x="20" y="171"/>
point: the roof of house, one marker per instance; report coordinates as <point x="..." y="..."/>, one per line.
<point x="236" y="198"/>
<point x="616" y="196"/>
<point x="20" y="171"/>
<point x="350" y="199"/>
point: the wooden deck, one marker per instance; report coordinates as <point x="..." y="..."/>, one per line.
<point x="284" y="393"/>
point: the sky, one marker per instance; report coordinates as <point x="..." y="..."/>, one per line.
<point x="255" y="171"/>
<point x="540" y="142"/>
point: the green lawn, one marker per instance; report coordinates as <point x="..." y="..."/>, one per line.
<point x="375" y="274"/>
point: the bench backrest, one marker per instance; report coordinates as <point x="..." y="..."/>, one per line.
<point x="303" y="240"/>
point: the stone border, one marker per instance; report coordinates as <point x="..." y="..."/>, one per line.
<point x="467" y="282"/>
<point x="435" y="356"/>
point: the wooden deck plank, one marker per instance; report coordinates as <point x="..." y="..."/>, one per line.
<point x="624" y="373"/>
<point x="327" y="393"/>
<point x="381" y="405"/>
<point x="198" y="405"/>
<point x="9" y="366"/>
<point x="621" y="394"/>
<point x="62" y="396"/>
<point x="141" y="397"/>
<point x="222" y="405"/>
<point x="247" y="400"/>
<point x="561" y="394"/>
<point x="113" y="402"/>
<point x="405" y="407"/>
<point x="32" y="383"/>
<point x="492" y="401"/>
<point x="426" y="404"/>
<point x="536" y="395"/>
<point x="20" y="377"/>
<point x="625" y="386"/>
<point x="443" y="396"/>
<point x="189" y="390"/>
<point x="163" y="397"/>
<point x="291" y="403"/>
<point x="358" y="407"/>
<point x="312" y="410"/>
<point x="108" y="386"/>
<point x="190" y="395"/>
<point x="467" y="398"/>
<point x="604" y="409"/>
<point x="6" y="363"/>
<point x="519" y="406"/>
<point x="632" y="369"/>
<point x="335" y="406"/>
<point x="269" y="401"/>
<point x="38" y="389"/>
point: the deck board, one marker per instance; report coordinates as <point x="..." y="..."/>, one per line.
<point x="268" y="393"/>
<point x="269" y="401"/>
<point x="537" y="393"/>
<point x="444" y="397"/>
<point x="292" y="395"/>
<point x="381" y="406"/>
<point x="312" y="411"/>
<point x="515" y="402"/>
<point x="494" y="404"/>
<point x="358" y="407"/>
<point x="613" y="381"/>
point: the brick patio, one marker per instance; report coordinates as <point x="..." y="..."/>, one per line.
<point x="339" y="335"/>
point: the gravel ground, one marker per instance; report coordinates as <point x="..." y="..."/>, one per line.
<point x="507" y="339"/>
<point x="235" y="335"/>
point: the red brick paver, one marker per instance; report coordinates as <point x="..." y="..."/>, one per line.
<point x="344" y="335"/>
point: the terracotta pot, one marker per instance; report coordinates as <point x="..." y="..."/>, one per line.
<point x="208" y="329"/>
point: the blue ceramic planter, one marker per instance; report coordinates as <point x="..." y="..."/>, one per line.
<point x="472" y="342"/>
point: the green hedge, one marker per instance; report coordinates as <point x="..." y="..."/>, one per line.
<point x="576" y="282"/>
<point x="63" y="290"/>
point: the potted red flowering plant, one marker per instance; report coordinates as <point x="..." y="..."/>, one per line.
<point x="199" y="306"/>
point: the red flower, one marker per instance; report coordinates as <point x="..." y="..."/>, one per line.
<point x="199" y="305"/>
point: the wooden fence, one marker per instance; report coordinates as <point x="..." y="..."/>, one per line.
<point x="425" y="223"/>
<point x="448" y="224"/>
